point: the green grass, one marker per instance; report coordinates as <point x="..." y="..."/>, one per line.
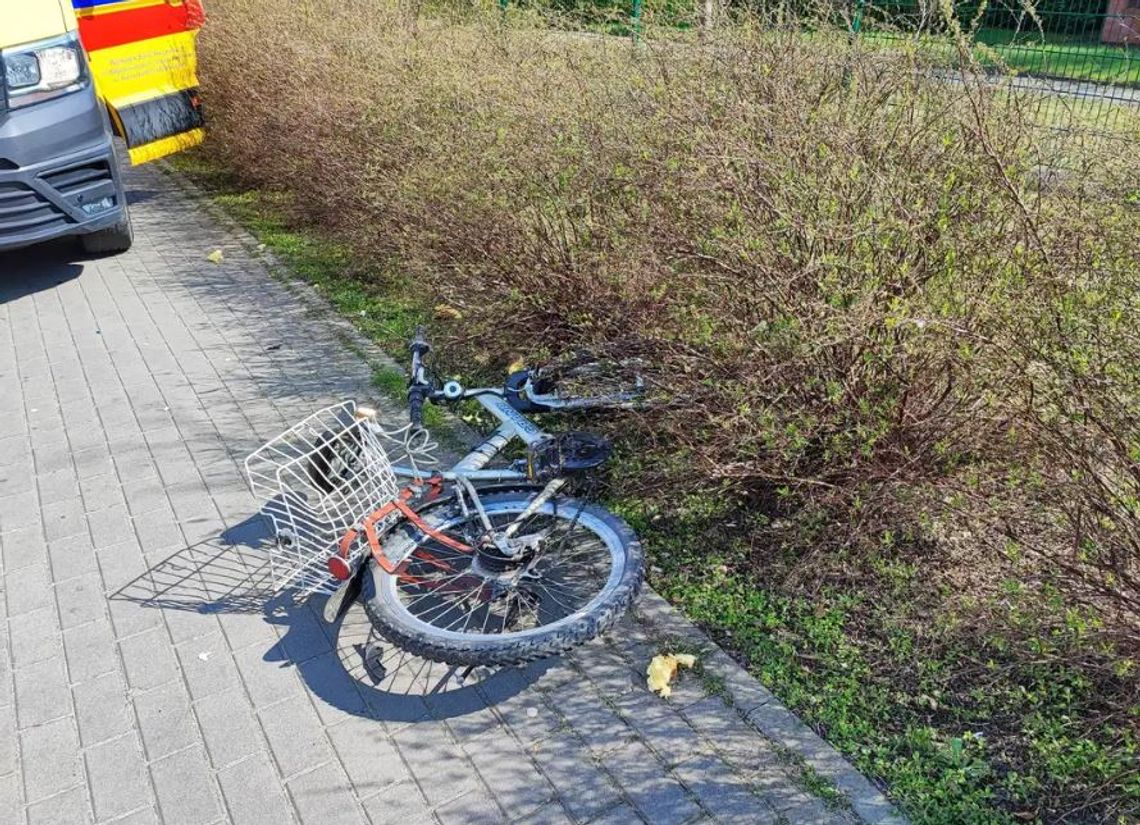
<point x="1051" y="55"/>
<point x="1072" y="57"/>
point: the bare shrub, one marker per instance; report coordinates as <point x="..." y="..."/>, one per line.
<point x="857" y="287"/>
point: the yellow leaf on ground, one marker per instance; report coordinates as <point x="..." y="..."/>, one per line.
<point x="215" y="257"/>
<point x="663" y="668"/>
<point x="447" y="311"/>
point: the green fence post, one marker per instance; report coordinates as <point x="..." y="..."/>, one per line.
<point x="635" y="19"/>
<point x="857" y="19"/>
<point x="856" y="26"/>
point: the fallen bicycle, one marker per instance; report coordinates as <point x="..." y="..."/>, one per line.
<point x="475" y="565"/>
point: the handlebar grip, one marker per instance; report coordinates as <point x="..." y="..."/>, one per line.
<point x="416" y="407"/>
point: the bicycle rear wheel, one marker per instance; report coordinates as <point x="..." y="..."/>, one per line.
<point x="582" y="569"/>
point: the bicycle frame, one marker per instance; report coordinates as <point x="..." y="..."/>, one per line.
<point x="472" y="466"/>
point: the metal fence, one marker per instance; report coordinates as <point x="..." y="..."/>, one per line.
<point x="1077" y="62"/>
<point x="1072" y="64"/>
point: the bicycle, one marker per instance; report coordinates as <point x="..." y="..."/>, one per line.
<point x="475" y="565"/>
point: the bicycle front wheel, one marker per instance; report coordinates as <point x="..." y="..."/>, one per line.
<point x="578" y="570"/>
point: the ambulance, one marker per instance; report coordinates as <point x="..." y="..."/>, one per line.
<point x="78" y="77"/>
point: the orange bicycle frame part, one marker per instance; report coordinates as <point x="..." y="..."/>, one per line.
<point x="401" y="506"/>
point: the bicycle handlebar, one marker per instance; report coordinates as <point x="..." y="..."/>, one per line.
<point x="419" y="386"/>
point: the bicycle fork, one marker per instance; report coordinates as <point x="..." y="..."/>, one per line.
<point x="502" y="539"/>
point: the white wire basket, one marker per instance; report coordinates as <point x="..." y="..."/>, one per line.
<point x="320" y="478"/>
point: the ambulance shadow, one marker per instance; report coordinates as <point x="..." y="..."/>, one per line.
<point x="38" y="268"/>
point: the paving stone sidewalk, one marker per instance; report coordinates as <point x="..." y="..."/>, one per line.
<point x="148" y="673"/>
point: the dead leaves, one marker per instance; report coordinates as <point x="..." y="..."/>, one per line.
<point x="663" y="668"/>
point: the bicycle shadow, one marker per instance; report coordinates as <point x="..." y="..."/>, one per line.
<point x="348" y="665"/>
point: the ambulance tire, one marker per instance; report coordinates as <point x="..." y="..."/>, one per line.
<point x="112" y="240"/>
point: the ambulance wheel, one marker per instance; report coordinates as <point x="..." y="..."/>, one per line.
<point x="112" y="240"/>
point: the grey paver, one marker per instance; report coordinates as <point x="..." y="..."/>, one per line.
<point x="49" y="757"/>
<point x="229" y="727"/>
<point x="63" y="519"/>
<point x="143" y="816"/>
<point x="21" y="510"/>
<point x="590" y="717"/>
<point x="90" y="650"/>
<point x="266" y="681"/>
<point x="72" y="557"/>
<point x="368" y="756"/>
<point x="149" y="659"/>
<point x="517" y="784"/>
<point x="207" y="665"/>
<point x="529" y="717"/>
<point x="41" y="692"/>
<point x="659" y="724"/>
<point x="475" y="808"/>
<point x="68" y="808"/>
<point x="185" y="789"/>
<point x="145" y="675"/>
<point x="28" y="587"/>
<point x="102" y="709"/>
<point x="621" y="815"/>
<point x="8" y="750"/>
<point x="110" y="526"/>
<point x="722" y="792"/>
<point x="324" y="795"/>
<point x="131" y="618"/>
<point x="118" y="777"/>
<point x="655" y="794"/>
<point x="254" y="794"/>
<point x="11" y="803"/>
<point x="551" y="814"/>
<point x="35" y="636"/>
<point x="337" y="692"/>
<point x="440" y="767"/>
<point x="400" y="803"/>
<point x="80" y="598"/>
<point x="57" y="486"/>
<point x="584" y="787"/>
<point x="186" y="626"/>
<point x="295" y="735"/>
<point x="165" y="720"/>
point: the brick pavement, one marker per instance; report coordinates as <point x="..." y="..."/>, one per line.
<point x="148" y="674"/>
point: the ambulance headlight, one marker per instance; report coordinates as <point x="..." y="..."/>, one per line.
<point x="35" y="72"/>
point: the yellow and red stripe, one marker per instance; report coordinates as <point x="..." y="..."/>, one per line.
<point x="104" y="25"/>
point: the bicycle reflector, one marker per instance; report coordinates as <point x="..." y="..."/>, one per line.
<point x="339" y="567"/>
<point x="566" y="454"/>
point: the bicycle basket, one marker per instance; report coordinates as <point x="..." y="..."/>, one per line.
<point x="319" y="478"/>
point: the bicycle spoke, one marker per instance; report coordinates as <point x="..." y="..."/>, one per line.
<point x="569" y="608"/>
